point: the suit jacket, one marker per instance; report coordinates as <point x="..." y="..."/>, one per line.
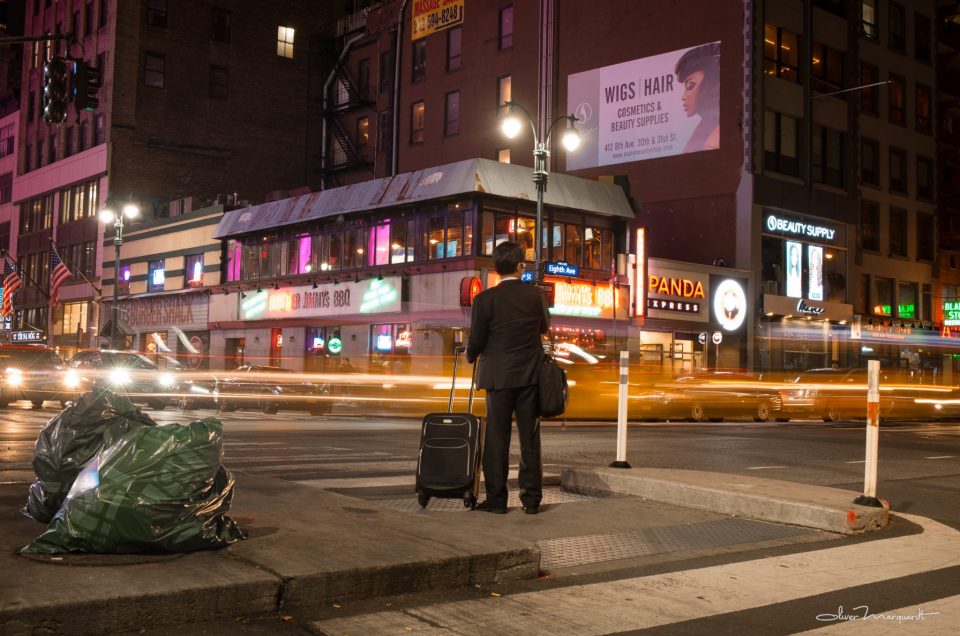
<point x="505" y="334"/>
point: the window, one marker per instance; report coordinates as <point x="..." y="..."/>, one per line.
<point x="869" y="161"/>
<point x="99" y="130"/>
<point x="36" y="215"/>
<point x="779" y="53"/>
<point x="156" y="275"/>
<point x="154" y="69"/>
<point x="925" y="238"/>
<point x="285" y="42"/>
<point x="870" y="226"/>
<point x="505" y="38"/>
<point x="898" y="170"/>
<point x="123" y="285"/>
<point x="102" y="14"/>
<point x="417" y="117"/>
<point x="898" y="98"/>
<point x="221" y="25"/>
<point x="391" y="339"/>
<point x="70" y="319"/>
<point x="597" y="248"/>
<point x="363" y="133"/>
<point x="51" y="147"/>
<point x="454" y="48"/>
<point x="193" y="270"/>
<point x="6" y="189"/>
<point x="219" y="83"/>
<point x="897" y="33"/>
<point x="503" y="155"/>
<point x="868" y="19"/>
<point x="88" y="18"/>
<point x="363" y="78"/>
<point x="923" y="96"/>
<point x="898" y="232"/>
<point x="7" y="138"/>
<point x="921" y="37"/>
<point x="907" y="300"/>
<point x="780" y="143"/>
<point x="882" y="296"/>
<point x="418" y="70"/>
<point x="80" y="257"/>
<point x="925" y="178"/>
<point x="504" y="93"/>
<point x="826" y="68"/>
<point x="78" y="202"/>
<point x="827" y="156"/>
<point x="157" y="13"/>
<point x="451" y="124"/>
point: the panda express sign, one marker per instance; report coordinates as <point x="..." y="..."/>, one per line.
<point x="675" y="294"/>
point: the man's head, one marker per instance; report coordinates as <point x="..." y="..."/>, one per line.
<point x="507" y="258"/>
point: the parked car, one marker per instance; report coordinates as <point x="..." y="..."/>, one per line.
<point x="128" y="372"/>
<point x="715" y="396"/>
<point x="270" y="389"/>
<point x="35" y="373"/>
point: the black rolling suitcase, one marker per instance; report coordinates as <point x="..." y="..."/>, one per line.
<point x="451" y="445"/>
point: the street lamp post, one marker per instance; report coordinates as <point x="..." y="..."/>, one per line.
<point x="511" y="125"/>
<point x="107" y="215"/>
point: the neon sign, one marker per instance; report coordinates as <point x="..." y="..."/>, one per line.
<point x="378" y="294"/>
<point x="254" y="305"/>
<point x="639" y="304"/>
<point x="335" y="345"/>
<point x="951" y="313"/>
<point x="678" y="287"/>
<point x="582" y="299"/>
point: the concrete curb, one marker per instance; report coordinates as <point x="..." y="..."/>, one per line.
<point x="819" y="507"/>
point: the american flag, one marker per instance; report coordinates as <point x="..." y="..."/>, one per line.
<point x="11" y="283"/>
<point x="59" y="274"/>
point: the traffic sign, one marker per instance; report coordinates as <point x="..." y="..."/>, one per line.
<point x="717" y="337"/>
<point x="702" y="337"/>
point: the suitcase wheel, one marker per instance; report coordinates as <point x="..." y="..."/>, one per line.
<point x="469" y="501"/>
<point x="423" y="498"/>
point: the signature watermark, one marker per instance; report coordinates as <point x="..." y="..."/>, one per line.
<point x="863" y="613"/>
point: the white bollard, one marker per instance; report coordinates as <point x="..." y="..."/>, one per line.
<point x="621" y="461"/>
<point x="869" y="497"/>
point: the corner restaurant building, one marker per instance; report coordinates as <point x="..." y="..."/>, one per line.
<point x="383" y="271"/>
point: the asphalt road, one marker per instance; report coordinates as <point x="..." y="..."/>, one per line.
<point x="919" y="473"/>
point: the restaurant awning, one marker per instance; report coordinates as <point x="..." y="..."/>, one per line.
<point x="455" y="179"/>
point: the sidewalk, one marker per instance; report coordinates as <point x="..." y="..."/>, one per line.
<point x="310" y="547"/>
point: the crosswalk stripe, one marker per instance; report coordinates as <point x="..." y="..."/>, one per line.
<point x="664" y="599"/>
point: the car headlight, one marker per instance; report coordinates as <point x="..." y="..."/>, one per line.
<point x="14" y="377"/>
<point x="198" y="389"/>
<point x="119" y="376"/>
<point x="71" y="379"/>
<point x="166" y="380"/>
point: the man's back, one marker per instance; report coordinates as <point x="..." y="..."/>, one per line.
<point x="507" y="322"/>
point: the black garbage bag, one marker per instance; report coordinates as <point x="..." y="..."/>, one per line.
<point x="88" y="424"/>
<point x="157" y="489"/>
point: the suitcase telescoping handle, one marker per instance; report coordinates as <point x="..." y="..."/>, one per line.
<point x="457" y="351"/>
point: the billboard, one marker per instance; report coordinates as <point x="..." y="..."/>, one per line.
<point x="659" y="106"/>
<point x="815" y="272"/>
<point x="794" y="260"/>
<point x="430" y="16"/>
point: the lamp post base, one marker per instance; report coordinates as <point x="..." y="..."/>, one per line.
<point x="619" y="464"/>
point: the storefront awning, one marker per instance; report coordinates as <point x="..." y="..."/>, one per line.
<point x="123" y="329"/>
<point x="455" y="179"/>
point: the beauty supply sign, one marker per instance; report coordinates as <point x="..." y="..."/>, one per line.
<point x="659" y="106"/>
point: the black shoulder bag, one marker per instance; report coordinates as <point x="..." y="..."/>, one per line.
<point x="552" y="385"/>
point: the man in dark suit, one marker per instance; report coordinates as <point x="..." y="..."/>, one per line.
<point x="505" y="334"/>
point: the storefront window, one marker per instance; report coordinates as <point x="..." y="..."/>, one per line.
<point x="156" y="275"/>
<point x="70" y="319"/>
<point x="907" y="300"/>
<point x="526" y="236"/>
<point x="498" y="225"/>
<point x="572" y="244"/>
<point x="390" y="347"/>
<point x="454" y="241"/>
<point x="378" y="247"/>
<point x="402" y="241"/>
<point x="353" y="248"/>
<point x="333" y="250"/>
<point x="234" y="259"/>
<point x="593" y="248"/>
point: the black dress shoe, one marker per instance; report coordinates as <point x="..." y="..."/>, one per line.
<point x="532" y="510"/>
<point x="487" y="507"/>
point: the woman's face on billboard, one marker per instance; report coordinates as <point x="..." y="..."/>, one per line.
<point x="691" y="88"/>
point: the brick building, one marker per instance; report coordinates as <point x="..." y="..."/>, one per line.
<point x="201" y="101"/>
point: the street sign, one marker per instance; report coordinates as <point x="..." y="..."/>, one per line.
<point x="717" y="337"/>
<point x="702" y="337"/>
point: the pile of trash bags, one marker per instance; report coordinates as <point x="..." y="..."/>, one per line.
<point x="110" y="480"/>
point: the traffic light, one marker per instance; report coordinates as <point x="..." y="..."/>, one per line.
<point x="86" y="83"/>
<point x="55" y="95"/>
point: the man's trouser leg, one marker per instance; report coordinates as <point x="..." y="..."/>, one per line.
<point x="528" y="431"/>
<point x="496" y="449"/>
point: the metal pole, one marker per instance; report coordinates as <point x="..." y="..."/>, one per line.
<point x="540" y="179"/>
<point x="869" y="496"/>
<point x="621" y="461"/>
<point x="117" y="242"/>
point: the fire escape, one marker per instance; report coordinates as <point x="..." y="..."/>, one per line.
<point x="345" y="150"/>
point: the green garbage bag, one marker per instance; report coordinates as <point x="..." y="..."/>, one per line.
<point x="157" y="489"/>
<point x="70" y="439"/>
